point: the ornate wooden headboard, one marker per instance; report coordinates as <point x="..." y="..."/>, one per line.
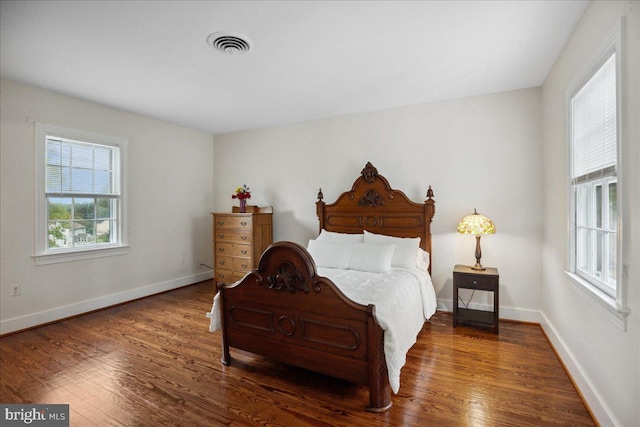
<point x="373" y="205"/>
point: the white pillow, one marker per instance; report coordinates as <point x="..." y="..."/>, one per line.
<point x="374" y="258"/>
<point x="406" y="248"/>
<point x="422" y="261"/>
<point x="352" y="256"/>
<point x="332" y="236"/>
<point x="330" y="254"/>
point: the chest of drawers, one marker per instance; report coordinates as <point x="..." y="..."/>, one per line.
<point x="238" y="241"/>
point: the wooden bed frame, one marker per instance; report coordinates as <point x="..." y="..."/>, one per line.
<point x="285" y="311"/>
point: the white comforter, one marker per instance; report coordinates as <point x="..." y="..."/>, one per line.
<point x="404" y="299"/>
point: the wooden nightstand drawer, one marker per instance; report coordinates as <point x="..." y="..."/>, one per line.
<point x="477" y="282"/>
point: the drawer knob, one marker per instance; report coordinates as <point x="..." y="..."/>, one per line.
<point x="243" y="223"/>
<point x="221" y="236"/>
<point x="221" y="263"/>
<point x="475" y="282"/>
<point x="244" y="251"/>
<point x="220" y="249"/>
<point x="244" y="265"/>
<point x="244" y="237"/>
<point x="221" y="222"/>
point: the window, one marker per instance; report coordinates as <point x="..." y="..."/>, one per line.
<point x="79" y="194"/>
<point x="594" y="144"/>
<point x="596" y="180"/>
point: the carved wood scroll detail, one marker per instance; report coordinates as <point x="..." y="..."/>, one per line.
<point x="369" y="173"/>
<point x="288" y="278"/>
<point x="371" y="199"/>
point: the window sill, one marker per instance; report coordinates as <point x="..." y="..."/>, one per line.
<point x="604" y="303"/>
<point x="45" y="259"/>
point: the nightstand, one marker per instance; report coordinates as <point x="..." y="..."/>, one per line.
<point x="482" y="280"/>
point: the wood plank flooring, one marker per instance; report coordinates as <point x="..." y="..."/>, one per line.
<point x="153" y="362"/>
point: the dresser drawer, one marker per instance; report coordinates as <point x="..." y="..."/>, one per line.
<point x="233" y="249"/>
<point x="228" y="276"/>
<point x="476" y="282"/>
<point x="237" y="236"/>
<point x="233" y="222"/>
<point x="231" y="263"/>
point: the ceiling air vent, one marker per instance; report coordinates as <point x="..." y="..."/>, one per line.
<point x="230" y="43"/>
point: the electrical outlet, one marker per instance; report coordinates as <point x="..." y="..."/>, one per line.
<point x="15" y="290"/>
<point x="198" y="264"/>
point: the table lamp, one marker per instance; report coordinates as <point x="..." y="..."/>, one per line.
<point x="478" y="225"/>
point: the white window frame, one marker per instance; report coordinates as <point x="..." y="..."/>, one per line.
<point x="613" y="307"/>
<point x="43" y="254"/>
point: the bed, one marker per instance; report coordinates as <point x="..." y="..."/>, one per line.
<point x="289" y="308"/>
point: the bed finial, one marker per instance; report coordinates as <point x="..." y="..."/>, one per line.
<point x="429" y="193"/>
<point x="320" y="195"/>
<point x="430" y="205"/>
<point x="369" y="173"/>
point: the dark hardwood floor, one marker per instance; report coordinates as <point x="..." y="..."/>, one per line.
<point x="153" y="362"/>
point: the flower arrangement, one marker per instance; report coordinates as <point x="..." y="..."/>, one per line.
<point x="242" y="193"/>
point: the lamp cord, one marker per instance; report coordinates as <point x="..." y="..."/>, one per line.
<point x="435" y="317"/>
<point x="466" y="305"/>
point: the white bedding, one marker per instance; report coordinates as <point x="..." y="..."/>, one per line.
<point x="404" y="299"/>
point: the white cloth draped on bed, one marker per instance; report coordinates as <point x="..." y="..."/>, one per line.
<point x="404" y="299"/>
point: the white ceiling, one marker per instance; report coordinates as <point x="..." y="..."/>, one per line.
<point x="311" y="59"/>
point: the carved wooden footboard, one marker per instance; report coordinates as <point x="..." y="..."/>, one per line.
<point x="285" y="311"/>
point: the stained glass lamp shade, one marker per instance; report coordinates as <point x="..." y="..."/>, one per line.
<point x="477" y="225"/>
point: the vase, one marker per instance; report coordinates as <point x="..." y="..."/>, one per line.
<point x="243" y="205"/>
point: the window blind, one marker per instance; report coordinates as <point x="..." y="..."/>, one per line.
<point x="594" y="125"/>
<point x="74" y="168"/>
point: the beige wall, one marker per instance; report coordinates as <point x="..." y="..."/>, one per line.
<point x="170" y="175"/>
<point x="482" y="152"/>
<point x="603" y="359"/>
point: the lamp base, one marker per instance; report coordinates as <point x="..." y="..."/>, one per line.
<point x="478" y="266"/>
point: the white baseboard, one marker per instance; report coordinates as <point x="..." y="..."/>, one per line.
<point x="47" y="316"/>
<point x="599" y="409"/>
